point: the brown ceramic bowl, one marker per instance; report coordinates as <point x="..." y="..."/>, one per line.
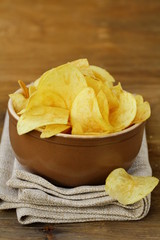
<point x="71" y="160"/>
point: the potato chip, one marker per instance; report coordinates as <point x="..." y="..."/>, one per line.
<point x="85" y="113"/>
<point x="46" y="98"/>
<point x="41" y="116"/>
<point x="123" y="116"/>
<point x="102" y="75"/>
<point x="143" y="110"/>
<point x="139" y="99"/>
<point x="104" y="109"/>
<point x="24" y="88"/>
<point x="51" y="130"/>
<point x="80" y="63"/>
<point x="19" y="102"/>
<point x="128" y="189"/>
<point x="66" y="81"/>
<point x="83" y="66"/>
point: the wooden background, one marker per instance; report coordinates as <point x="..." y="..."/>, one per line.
<point x="122" y="36"/>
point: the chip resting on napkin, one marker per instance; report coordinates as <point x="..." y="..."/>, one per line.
<point x="37" y="200"/>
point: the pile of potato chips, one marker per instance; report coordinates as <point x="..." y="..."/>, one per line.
<point x="77" y="98"/>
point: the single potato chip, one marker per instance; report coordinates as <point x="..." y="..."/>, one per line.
<point x="80" y="63"/>
<point x="128" y="189"/>
<point x="85" y="114"/>
<point x="51" y="130"/>
<point x="66" y="81"/>
<point x="83" y="66"/>
<point x="104" y="109"/>
<point x="40" y="116"/>
<point x="124" y="115"/>
<point x="19" y="102"/>
<point x="46" y="98"/>
<point x="103" y="75"/>
<point x="139" y="99"/>
<point x="143" y="110"/>
<point x="25" y="90"/>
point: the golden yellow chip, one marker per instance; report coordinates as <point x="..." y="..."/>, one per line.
<point x="41" y="116"/>
<point x="19" y="102"/>
<point x="80" y="63"/>
<point x="46" y="98"/>
<point x="85" y="114"/>
<point x="51" y="130"/>
<point x="128" y="189"/>
<point x="139" y="99"/>
<point x="103" y="75"/>
<point x="66" y="81"/>
<point x="143" y="110"/>
<point x="83" y="66"/>
<point x="104" y="109"/>
<point x="24" y="88"/>
<point x="123" y="116"/>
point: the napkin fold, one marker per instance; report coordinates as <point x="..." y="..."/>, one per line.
<point x="37" y="200"/>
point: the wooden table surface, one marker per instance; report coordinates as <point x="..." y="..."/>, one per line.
<point x="122" y="36"/>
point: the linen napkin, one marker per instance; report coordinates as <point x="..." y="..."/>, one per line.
<point x="37" y="200"/>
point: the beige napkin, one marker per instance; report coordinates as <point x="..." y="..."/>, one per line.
<point x="37" y="200"/>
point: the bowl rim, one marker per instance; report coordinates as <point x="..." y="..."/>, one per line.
<point x="65" y="135"/>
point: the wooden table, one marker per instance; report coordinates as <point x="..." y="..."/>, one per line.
<point x="122" y="36"/>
